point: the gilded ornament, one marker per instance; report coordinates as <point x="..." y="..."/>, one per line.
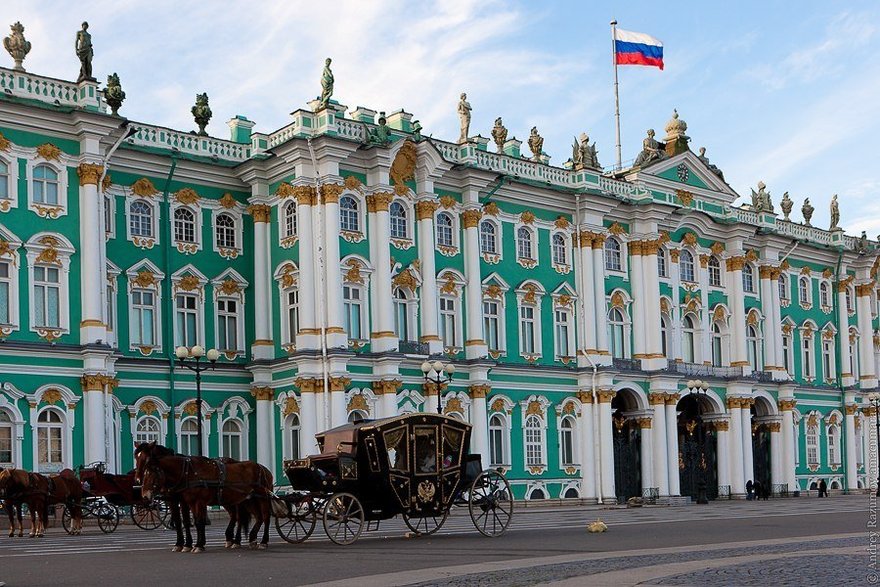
<point x="263" y="393"/>
<point x="479" y="390"/>
<point x="188" y="283"/>
<point x="534" y="408"/>
<point x="186" y="196"/>
<point x="674" y="255"/>
<point x="49" y="152"/>
<point x="786" y="329"/>
<point x="305" y="195"/>
<point x="330" y="192"/>
<point x="230" y="287"/>
<point x="718" y="313"/>
<point x="49" y="256"/>
<point x="285" y="190"/>
<point x="827" y="273"/>
<point x="606" y="396"/>
<point x="717" y="248"/>
<point x="491" y="209"/>
<point x="379" y="202"/>
<point x="564" y="300"/>
<point x="447" y="201"/>
<point x="494" y="291"/>
<point x="690" y="238"/>
<point x="89" y="173"/>
<point x="358" y="402"/>
<point x="291" y="406"/>
<point x="704" y="261"/>
<point x="5" y="248"/>
<point x="144" y="188"/>
<point x="470" y="218"/>
<point x="425" y="209"/>
<point x="752" y="255"/>
<point x="617" y="300"/>
<point x="51" y="396"/>
<point x="497" y="405"/>
<point x="406" y="279"/>
<point x="227" y="201"/>
<point x="685" y="197"/>
<point x="531" y="291"/>
<point x="805" y="270"/>
<point x="4" y="143"/>
<point x="149" y="407"/>
<point x="144" y="278"/>
<point x="352" y="183"/>
<point x="616" y="229"/>
<point x="736" y="263"/>
<point x="353" y="275"/>
<point x="260" y="212"/>
<point x="527" y="217"/>
<point x="404" y="165"/>
<point x="449" y="286"/>
<point x="426" y="491"/>
<point x="851" y="409"/>
<point x="664" y="305"/>
<point x="453" y="405"/>
<point x="752" y="319"/>
<point x="191" y="408"/>
<point x="106" y="183"/>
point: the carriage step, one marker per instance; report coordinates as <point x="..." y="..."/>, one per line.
<point x="372" y="525"/>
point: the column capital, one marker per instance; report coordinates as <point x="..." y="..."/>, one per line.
<point x="430" y="388"/>
<point x="606" y="395"/>
<point x="674" y="254"/>
<point x="657" y="398"/>
<point x="306" y="384"/>
<point x="864" y="289"/>
<point x="470" y="218"/>
<point x="89" y="173"/>
<point x="786" y="405"/>
<point x="672" y="398"/>
<point x="734" y="403"/>
<point x="585" y="396"/>
<point x="425" y="209"/>
<point x="645" y="422"/>
<point x="635" y="248"/>
<point x="765" y="272"/>
<point x="386" y="386"/>
<point x="851" y="409"/>
<point x="379" y="202"/>
<point x="339" y="383"/>
<point x="598" y="240"/>
<point x="262" y="393"/>
<point x="735" y="263"/>
<point x="305" y="195"/>
<point x="775" y="426"/>
<point x="479" y="390"/>
<point x="330" y="192"/>
<point x="722" y="425"/>
<point x="260" y="212"/>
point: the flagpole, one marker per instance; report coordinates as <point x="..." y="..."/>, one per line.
<point x="616" y="96"/>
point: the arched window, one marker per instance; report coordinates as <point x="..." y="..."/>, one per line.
<point x="45" y="185"/>
<point x="714" y="271"/>
<point x="292" y="427"/>
<point x="290" y="220"/>
<point x="804" y="290"/>
<point x="140" y="219"/>
<point x="824" y="296"/>
<point x="834" y="444"/>
<point x="6" y="436"/>
<point x="617" y="334"/>
<point x="717" y="345"/>
<point x="812" y="444"/>
<point x="567" y="441"/>
<point x="748" y="279"/>
<point x="534" y="441"/>
<point x="397" y="216"/>
<point x="664" y="335"/>
<point x="537" y="494"/>
<point x="232" y="438"/>
<point x="488" y="238"/>
<point x="613" y="255"/>
<point x="184" y="225"/>
<point x="524" y="249"/>
<point x="349" y="218"/>
<point x="401" y="314"/>
<point x="148" y="429"/>
<point x="686" y="263"/>
<point x="189" y="437"/>
<point x="783" y="286"/>
<point x="688" y="336"/>
<point x="50" y="440"/>
<point x="225" y="231"/>
<point x="571" y="493"/>
<point x="753" y="349"/>
<point x="4" y="180"/>
<point x="497" y="443"/>
<point x="560" y="252"/>
<point x="661" y="262"/>
<point x="357" y="416"/>
<point x="444" y="230"/>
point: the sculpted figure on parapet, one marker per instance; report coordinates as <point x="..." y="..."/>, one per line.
<point x="652" y="150"/>
<point x="761" y="201"/>
<point x="327" y="81"/>
<point x="464" y="116"/>
<point x="536" y="144"/>
<point x="83" y="46"/>
<point x="584" y="155"/>
<point x="835" y="213"/>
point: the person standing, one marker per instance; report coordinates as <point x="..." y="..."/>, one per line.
<point x="750" y="487"/>
<point x="823" y="488"/>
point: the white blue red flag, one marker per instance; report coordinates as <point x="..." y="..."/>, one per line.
<point x="637" y="49"/>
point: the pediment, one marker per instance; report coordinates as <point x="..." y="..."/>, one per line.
<point x="685" y="171"/>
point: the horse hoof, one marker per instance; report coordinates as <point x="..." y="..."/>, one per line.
<point x="186" y="549"/>
<point x="228" y="544"/>
<point x="198" y="550"/>
<point x="235" y="546"/>
<point x="262" y="546"/>
<point x="253" y="545"/>
<point x="177" y="549"/>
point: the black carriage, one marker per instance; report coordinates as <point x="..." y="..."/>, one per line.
<point x="104" y="494"/>
<point x="416" y="465"/>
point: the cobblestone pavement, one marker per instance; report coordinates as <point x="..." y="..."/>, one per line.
<point x="739" y="574"/>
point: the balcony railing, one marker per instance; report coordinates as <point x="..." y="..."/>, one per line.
<point x="411" y="347"/>
<point x="627" y="364"/>
<point x="698" y="370"/>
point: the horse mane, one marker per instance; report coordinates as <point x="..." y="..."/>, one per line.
<point x="156" y="450"/>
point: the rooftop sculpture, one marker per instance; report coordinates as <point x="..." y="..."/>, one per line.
<point x="327" y="81"/>
<point x="464" y="116"/>
<point x="536" y="144"/>
<point x="584" y="155"/>
<point x="499" y="134"/>
<point x="83" y="46"/>
<point x="202" y="113"/>
<point x="17" y="46"/>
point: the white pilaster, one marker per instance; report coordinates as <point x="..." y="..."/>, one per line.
<point x="737" y="483"/>
<point x="607" y="445"/>
<point x="867" y="374"/>
<point x="736" y="299"/>
<point x="308" y="335"/>
<point x="383" y="338"/>
<point x="94" y="426"/>
<point x="425" y="208"/>
<point x="651" y="286"/>
<point x="91" y="255"/>
<point x="336" y="335"/>
<point x="843" y="347"/>
<point x="647" y="453"/>
<point x="722" y="428"/>
<point x="587" y="441"/>
<point x="309" y="416"/>
<point x="475" y="346"/>
<point x="674" y="349"/>
<point x="672" y="443"/>
<point x="599" y="306"/>
<point x="705" y="317"/>
<point x="661" y="466"/>
<point x="748" y="461"/>
<point x="265" y="430"/>
<point x="850" y="443"/>
<point x="767" y="295"/>
<point x="480" y="421"/>
<point x="262" y="346"/>
<point x="638" y="297"/>
<point x="777" y="475"/>
<point x="586" y="297"/>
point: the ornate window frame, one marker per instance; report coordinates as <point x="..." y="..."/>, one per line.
<point x="187" y="198"/>
<point x="565" y="267"/>
<point x="10" y="158"/>
<point x="287" y="277"/>
<point x="492" y="257"/>
<point x="407" y="241"/>
<point x="234" y="212"/>
<point x="807" y="333"/>
<point x="289" y="409"/>
<point x="451" y="286"/>
<point x="565" y="300"/>
<point x="455" y="247"/>
<point x="230" y="285"/>
<point x="238" y="410"/>
<point x="288" y="238"/>
<point x="494" y="290"/>
<point x="48" y="249"/>
<point x="59" y="166"/>
<point x="189" y="281"/>
<point x="805" y="292"/>
<point x="143" y="242"/>
<point x="146" y="276"/>
<point x="529" y="296"/>
<point x="9" y="253"/>
<point x="534" y="409"/>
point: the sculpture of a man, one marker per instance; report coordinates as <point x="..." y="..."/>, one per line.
<point x="326" y="85"/>
<point x="499" y="134"/>
<point x="381" y="134"/>
<point x="713" y="168"/>
<point x="464" y="116"/>
<point x="651" y="150"/>
<point x="536" y="144"/>
<point x="83" y="46"/>
<point x="807" y="211"/>
<point x="835" y="213"/>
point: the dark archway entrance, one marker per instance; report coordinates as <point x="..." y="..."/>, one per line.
<point x="627" y="446"/>
<point x="761" y="444"/>
<point x="697" y="448"/>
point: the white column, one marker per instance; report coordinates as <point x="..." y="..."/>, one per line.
<point x="722" y="428"/>
<point x="308" y="335"/>
<point x="647" y="453"/>
<point x="651" y="287"/>
<point x="767" y="287"/>
<point x="607" y="444"/>
<point x="850" y="464"/>
<point x="425" y="208"/>
<point x="588" y="455"/>
<point x="336" y="335"/>
<point x="638" y="296"/>
<point x="867" y="373"/>
<point x="672" y="443"/>
<point x="388" y="397"/>
<point x="599" y="306"/>
<point x="776" y="332"/>
<point x="475" y="346"/>
<point x="748" y="461"/>
<point x="308" y="414"/>
<point x="338" y="406"/>
<point x="674" y="349"/>
<point x="589" y="316"/>
<point x="92" y="273"/>
<point x="383" y="337"/>
<point x="94" y="419"/>
<point x="843" y="346"/>
<point x="777" y="476"/>
<point x="737" y="483"/>
<point x="661" y="464"/>
<point x="789" y="475"/>
<point x="865" y="431"/>
<point x="705" y="318"/>
<point x="480" y="421"/>
<point x="262" y="346"/>
<point x="736" y="299"/>
<point x="265" y="430"/>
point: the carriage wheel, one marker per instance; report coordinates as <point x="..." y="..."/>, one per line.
<point x="108" y="517"/>
<point x="149" y="516"/>
<point x="299" y="523"/>
<point x="66" y="520"/>
<point x="343" y="518"/>
<point x="427" y="525"/>
<point x="491" y="503"/>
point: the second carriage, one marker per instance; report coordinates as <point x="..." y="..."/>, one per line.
<point x="417" y="466"/>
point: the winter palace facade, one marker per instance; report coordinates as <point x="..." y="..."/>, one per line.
<point x="615" y="334"/>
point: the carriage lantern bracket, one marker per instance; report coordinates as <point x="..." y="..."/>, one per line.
<point x="700" y="388"/>
<point x="191" y="358"/>
<point x="874" y="398"/>
<point x="439" y="374"/>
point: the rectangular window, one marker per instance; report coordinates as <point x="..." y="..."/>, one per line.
<point x="49" y="445"/>
<point x="5" y="445"/>
<point x="232" y="446"/>
<point x="812" y="446"/>
<point x="292" y="315"/>
<point x="187" y="333"/>
<point x="491" y="322"/>
<point x="47" y="297"/>
<point x="534" y="442"/>
<point x="827" y="359"/>
<point x="5" y="291"/>
<point x="808" y="357"/>
<point x="352" y="301"/>
<point x="143" y="318"/>
<point x="562" y="328"/>
<point x="111" y="308"/>
<point x="496" y="446"/>
<point x="227" y="325"/>
<point x="786" y="354"/>
<point x="527" y="328"/>
<point x="447" y="322"/>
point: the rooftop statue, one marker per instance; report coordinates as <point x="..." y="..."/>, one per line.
<point x="807" y="211"/>
<point x="714" y="169"/>
<point x="786" y="204"/>
<point x="326" y="85"/>
<point x="651" y="150"/>
<point x="835" y="213"/>
<point x="202" y="113"/>
<point x="416" y="130"/>
<point x="113" y="93"/>
<point x="380" y="135"/>
<point x="17" y="46"/>
<point x="536" y="144"/>
<point x="584" y="155"/>
<point x="761" y="201"/>
<point x="464" y="116"/>
<point x="499" y="134"/>
<point x="83" y="46"/>
<point x="863" y="242"/>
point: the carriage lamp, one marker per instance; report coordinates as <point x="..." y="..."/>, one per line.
<point x="191" y="358"/>
<point x="700" y="387"/>
<point x="874" y="398"/>
<point x="434" y="373"/>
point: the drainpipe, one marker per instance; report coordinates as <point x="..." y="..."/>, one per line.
<point x="843" y="337"/>
<point x="168" y="319"/>
<point x="319" y="270"/>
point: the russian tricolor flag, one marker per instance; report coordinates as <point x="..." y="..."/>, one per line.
<point x="637" y="49"/>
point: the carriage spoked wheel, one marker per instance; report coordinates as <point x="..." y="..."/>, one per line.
<point x="343" y="518"/>
<point x="67" y="520"/>
<point x="149" y="516"/>
<point x="427" y="525"/>
<point x="299" y="523"/>
<point x="490" y="503"/>
<point x="108" y="517"/>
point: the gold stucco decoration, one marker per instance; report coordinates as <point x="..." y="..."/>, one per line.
<point x="186" y="196"/>
<point x="227" y="201"/>
<point x="805" y="270"/>
<point x="353" y="275"/>
<point x="4" y="143"/>
<point x="527" y="217"/>
<point x="531" y="291"/>
<point x="51" y="396"/>
<point x="330" y="192"/>
<point x="230" y="287"/>
<point x="685" y="197"/>
<point x="616" y="229"/>
<point x="717" y="248"/>
<point x="449" y="286"/>
<point x="358" y="402"/>
<point x="534" y="408"/>
<point x="260" y="212"/>
<point x="144" y="278"/>
<point x="425" y="209"/>
<point x="144" y="188"/>
<point x="453" y="404"/>
<point x="149" y="407"/>
<point x="471" y="218"/>
<point x="404" y="165"/>
<point x="494" y="291"/>
<point x="188" y="283"/>
<point x="447" y="201"/>
<point x="617" y="300"/>
<point x="492" y="209"/>
<point x="291" y="406"/>
<point x="284" y="190"/>
<point x="405" y="279"/>
<point x="352" y="183"/>
<point x="49" y="152"/>
<point x="690" y="238"/>
<point x="89" y="173"/>
<point x="827" y="273"/>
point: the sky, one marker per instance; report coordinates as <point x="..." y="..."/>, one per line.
<point x="781" y="92"/>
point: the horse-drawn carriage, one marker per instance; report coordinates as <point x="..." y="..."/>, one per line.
<point x="105" y="494"/>
<point x="415" y="465"/>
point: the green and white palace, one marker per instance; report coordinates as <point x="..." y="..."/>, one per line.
<point x="615" y="334"/>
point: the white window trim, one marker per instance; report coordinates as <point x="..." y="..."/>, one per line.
<point x="198" y="292"/>
<point x="11" y="159"/>
<point x="456" y="230"/>
<point x="354" y="235"/>
<point x="832" y="355"/>
<point x="186" y="247"/>
<point x="286" y="240"/>
<point x="60" y="167"/>
<point x="206" y="426"/>
<point x="527" y="262"/>
<point x="756" y="280"/>
<point x="830" y="291"/>
<point x="501" y="300"/>
<point x="563" y="268"/>
<point x="812" y="363"/>
<point x="505" y="437"/>
<point x="624" y="258"/>
<point x="575" y="433"/>
<point x="64" y="251"/>
<point x="235" y="214"/>
<point x="835" y="459"/>
<point x="156" y="288"/>
<point x="809" y="302"/>
<point x="443" y="278"/>
<point x="287" y="272"/>
<point x="570" y="309"/>
<point x="721" y="272"/>
<point x="498" y="255"/>
<point x="241" y="417"/>
<point x="141" y="241"/>
<point x="695" y="263"/>
<point x="521" y="302"/>
<point x="9" y="396"/>
<point x="542" y="418"/>
<point x="111" y="306"/>
<point x="807" y="435"/>
<point x="287" y="429"/>
<point x="410" y="211"/>
<point x="240" y="313"/>
<point x="412" y="312"/>
<point x="109" y="209"/>
<point x="14" y="259"/>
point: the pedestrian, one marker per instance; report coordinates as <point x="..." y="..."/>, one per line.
<point x="766" y="492"/>
<point x="823" y="488"/>
<point x="758" y="488"/>
<point x="750" y="487"/>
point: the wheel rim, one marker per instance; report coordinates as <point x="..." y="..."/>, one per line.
<point x="491" y="504"/>
<point x="427" y="525"/>
<point x="299" y="523"/>
<point x="343" y="518"/>
<point x="147" y="516"/>
<point x="66" y="519"/>
<point x="108" y="518"/>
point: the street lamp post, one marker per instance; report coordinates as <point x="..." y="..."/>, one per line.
<point x="874" y="398"/>
<point x="196" y="354"/>
<point x="699" y="388"/>
<point x="434" y="373"/>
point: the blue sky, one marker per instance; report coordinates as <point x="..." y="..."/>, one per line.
<point x="781" y="92"/>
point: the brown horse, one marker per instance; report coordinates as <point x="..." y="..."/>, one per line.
<point x="13" y="505"/>
<point x="39" y="492"/>
<point x="197" y="482"/>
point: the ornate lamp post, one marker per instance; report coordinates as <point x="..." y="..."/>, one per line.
<point x="874" y="398"/>
<point x="192" y="360"/>
<point x="434" y="373"/>
<point x="700" y="388"/>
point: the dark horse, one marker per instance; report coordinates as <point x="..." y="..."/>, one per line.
<point x="194" y="483"/>
<point x="40" y="492"/>
<point x="13" y="504"/>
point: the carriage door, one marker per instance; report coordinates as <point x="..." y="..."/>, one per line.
<point x="425" y="459"/>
